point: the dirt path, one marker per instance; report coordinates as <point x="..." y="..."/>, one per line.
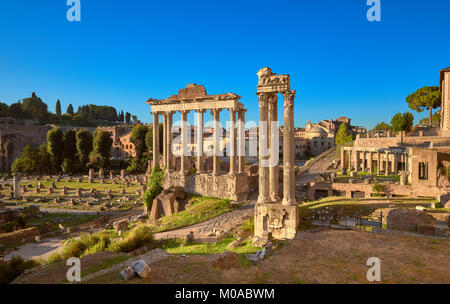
<point x="207" y="229"/>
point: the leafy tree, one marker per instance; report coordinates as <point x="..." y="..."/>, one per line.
<point x="382" y="126"/>
<point x="342" y="135"/>
<point x="425" y="98"/>
<point x="33" y="160"/>
<point x="135" y="119"/>
<point x="55" y="147"/>
<point x="70" y="144"/>
<point x="58" y="108"/>
<point x="70" y="110"/>
<point x="100" y="155"/>
<point x="4" y="109"/>
<point x="149" y="138"/>
<point x="378" y="189"/>
<point x="127" y="117"/>
<point x="16" y="111"/>
<point x="34" y="106"/>
<point x="402" y="122"/>
<point x="155" y="187"/>
<point x="436" y="119"/>
<point x="138" y="138"/>
<point x="84" y="146"/>
<point x="121" y="117"/>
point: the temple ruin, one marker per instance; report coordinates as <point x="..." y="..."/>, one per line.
<point x="233" y="184"/>
<point x="275" y="216"/>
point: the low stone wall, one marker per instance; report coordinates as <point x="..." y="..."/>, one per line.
<point x="18" y="236"/>
<point x="390" y="189"/>
<point x="234" y="187"/>
<point x="410" y="220"/>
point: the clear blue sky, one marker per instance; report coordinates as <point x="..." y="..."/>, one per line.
<point x="124" y="52"/>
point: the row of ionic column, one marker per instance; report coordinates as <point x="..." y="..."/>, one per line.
<point x="268" y="169"/>
<point x="382" y="162"/>
<point x="236" y="141"/>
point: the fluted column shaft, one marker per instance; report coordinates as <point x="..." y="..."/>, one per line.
<point x="274" y="147"/>
<point x="232" y="143"/>
<point x="288" y="150"/>
<point x="199" y="141"/>
<point x="241" y="141"/>
<point x="165" y="140"/>
<point x="342" y="158"/>
<point x="184" y="142"/>
<point x="155" y="139"/>
<point x="263" y="166"/>
<point x="169" y="140"/>
<point x="216" y="156"/>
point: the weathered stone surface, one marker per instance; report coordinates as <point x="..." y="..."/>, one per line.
<point x="408" y="219"/>
<point x="167" y="203"/>
<point x="121" y="225"/>
<point x="128" y="273"/>
<point x="141" y="268"/>
<point x="225" y="260"/>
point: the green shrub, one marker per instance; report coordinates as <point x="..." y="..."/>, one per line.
<point x="136" y="238"/>
<point x="378" y="189"/>
<point x="86" y="244"/>
<point x="155" y="186"/>
<point x="12" y="269"/>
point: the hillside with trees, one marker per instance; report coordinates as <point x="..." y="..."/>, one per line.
<point x="33" y="108"/>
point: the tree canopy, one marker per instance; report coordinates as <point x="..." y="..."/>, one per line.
<point x="425" y="98"/>
<point x="402" y="122"/>
<point x="343" y="136"/>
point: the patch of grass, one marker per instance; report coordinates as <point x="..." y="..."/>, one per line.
<point x="200" y="209"/>
<point x="177" y="247"/>
<point x="137" y="237"/>
<point x="105" y="264"/>
<point x="9" y="270"/>
<point x="69" y="219"/>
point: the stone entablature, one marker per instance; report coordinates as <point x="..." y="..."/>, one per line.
<point x="233" y="187"/>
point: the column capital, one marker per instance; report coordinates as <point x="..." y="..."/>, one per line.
<point x="185" y="111"/>
<point x="202" y="111"/>
<point x="289" y="97"/>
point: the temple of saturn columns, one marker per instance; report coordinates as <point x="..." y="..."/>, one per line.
<point x="274" y="215"/>
<point x="232" y="184"/>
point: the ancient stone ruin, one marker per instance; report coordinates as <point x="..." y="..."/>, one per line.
<point x="274" y="216"/>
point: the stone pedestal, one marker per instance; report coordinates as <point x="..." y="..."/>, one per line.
<point x="16" y="186"/>
<point x="91" y="175"/>
<point x="279" y="220"/>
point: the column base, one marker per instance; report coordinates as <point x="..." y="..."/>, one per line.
<point x="280" y="221"/>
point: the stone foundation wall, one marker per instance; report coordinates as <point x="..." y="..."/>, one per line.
<point x="391" y="189"/>
<point x="408" y="219"/>
<point x="234" y="187"/>
<point x="279" y="220"/>
<point x="20" y="235"/>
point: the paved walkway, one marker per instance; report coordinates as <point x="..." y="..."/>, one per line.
<point x="35" y="251"/>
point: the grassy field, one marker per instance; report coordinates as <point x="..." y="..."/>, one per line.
<point x="68" y="219"/>
<point x="177" y="247"/>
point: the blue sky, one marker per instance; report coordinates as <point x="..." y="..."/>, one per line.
<point x="124" y="52"/>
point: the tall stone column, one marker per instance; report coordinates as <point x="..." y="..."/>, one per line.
<point x="273" y="147"/>
<point x="164" y="139"/>
<point x="288" y="150"/>
<point x="342" y="158"/>
<point x="155" y="139"/>
<point x="364" y="161"/>
<point x="349" y="160"/>
<point x="263" y="164"/>
<point x="216" y="157"/>
<point x="387" y="164"/>
<point x="241" y="140"/>
<point x="371" y="162"/>
<point x="358" y="164"/>
<point x="378" y="163"/>
<point x="199" y="141"/>
<point x="184" y="142"/>
<point x="232" y="143"/>
<point x="395" y="163"/>
<point x="170" y="159"/>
